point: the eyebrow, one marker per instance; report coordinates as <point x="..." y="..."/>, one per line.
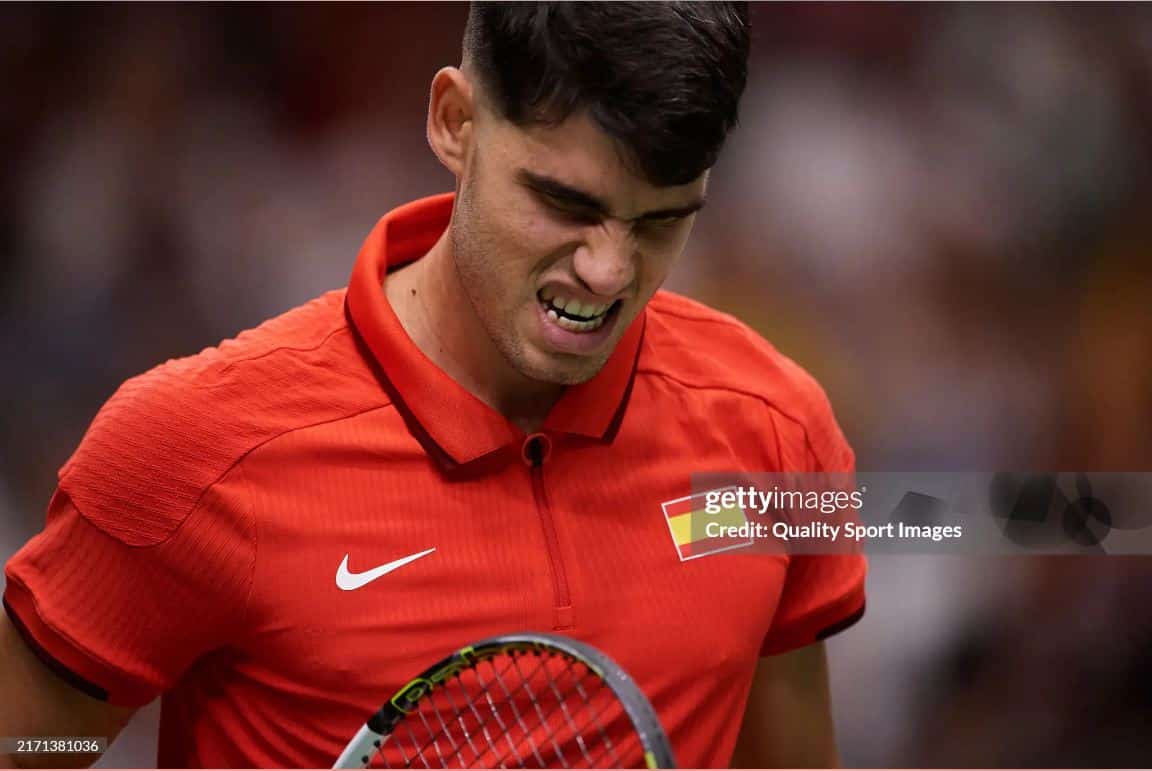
<point x="556" y="189"/>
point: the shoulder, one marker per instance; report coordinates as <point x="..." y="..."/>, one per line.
<point x="704" y="350"/>
<point x="168" y="435"/>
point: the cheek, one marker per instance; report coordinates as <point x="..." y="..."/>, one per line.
<point x="512" y="226"/>
<point x="526" y="244"/>
<point x="535" y="232"/>
<point x="510" y="250"/>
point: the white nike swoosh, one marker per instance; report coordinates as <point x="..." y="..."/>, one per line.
<point x="347" y="580"/>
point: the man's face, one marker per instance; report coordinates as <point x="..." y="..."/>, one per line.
<point x="558" y="245"/>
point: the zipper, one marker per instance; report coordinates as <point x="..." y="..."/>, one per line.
<point x="534" y="453"/>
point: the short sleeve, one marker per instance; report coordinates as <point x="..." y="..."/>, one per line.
<point x="123" y="621"/>
<point x="823" y="593"/>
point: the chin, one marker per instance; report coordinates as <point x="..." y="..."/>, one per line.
<point x="560" y="370"/>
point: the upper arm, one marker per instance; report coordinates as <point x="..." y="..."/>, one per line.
<point x="38" y="702"/>
<point x="788" y="720"/>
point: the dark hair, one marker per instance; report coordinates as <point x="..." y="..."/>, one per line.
<point x="663" y="79"/>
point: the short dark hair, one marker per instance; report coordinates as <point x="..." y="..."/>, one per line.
<point x="663" y="79"/>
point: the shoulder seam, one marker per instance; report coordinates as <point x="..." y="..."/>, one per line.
<point x="730" y="389"/>
<point x="772" y="406"/>
<point x="230" y="363"/>
<point x="227" y="470"/>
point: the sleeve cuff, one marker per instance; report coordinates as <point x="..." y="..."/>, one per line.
<point x="65" y="659"/>
<point x="834" y="620"/>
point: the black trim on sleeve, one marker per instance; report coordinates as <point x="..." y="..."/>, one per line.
<point x="66" y="674"/>
<point x="840" y="625"/>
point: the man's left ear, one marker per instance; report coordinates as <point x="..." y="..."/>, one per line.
<point x="450" y="116"/>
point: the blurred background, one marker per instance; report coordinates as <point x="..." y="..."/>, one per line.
<point x="942" y="211"/>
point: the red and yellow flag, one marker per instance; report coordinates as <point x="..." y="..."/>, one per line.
<point x="688" y="522"/>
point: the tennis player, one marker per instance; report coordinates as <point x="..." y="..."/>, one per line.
<point x="475" y="437"/>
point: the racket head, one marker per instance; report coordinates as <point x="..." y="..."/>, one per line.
<point x="524" y="700"/>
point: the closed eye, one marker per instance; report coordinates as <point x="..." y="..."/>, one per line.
<point x="666" y="219"/>
<point x="569" y="210"/>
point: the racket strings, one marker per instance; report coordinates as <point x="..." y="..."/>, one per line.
<point x="503" y="728"/>
<point x="529" y="733"/>
<point x="609" y="749"/>
<point x="542" y="721"/>
<point x="548" y="713"/>
<point x="511" y="701"/>
<point x="567" y="717"/>
<point x="420" y="749"/>
<point x="460" y="719"/>
<point x="575" y="731"/>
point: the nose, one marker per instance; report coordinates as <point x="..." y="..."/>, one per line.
<point x="606" y="259"/>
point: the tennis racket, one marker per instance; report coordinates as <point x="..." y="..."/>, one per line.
<point x="515" y="701"/>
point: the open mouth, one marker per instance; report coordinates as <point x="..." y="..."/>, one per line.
<point x="573" y="315"/>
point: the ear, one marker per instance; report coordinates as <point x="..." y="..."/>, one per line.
<point x="451" y="110"/>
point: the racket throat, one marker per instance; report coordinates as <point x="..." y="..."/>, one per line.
<point x="361" y="749"/>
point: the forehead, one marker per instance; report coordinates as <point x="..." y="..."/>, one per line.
<point x="581" y="155"/>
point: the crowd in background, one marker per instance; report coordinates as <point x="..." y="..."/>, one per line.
<point x="942" y="211"/>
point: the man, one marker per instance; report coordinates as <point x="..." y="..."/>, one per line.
<point x="492" y="413"/>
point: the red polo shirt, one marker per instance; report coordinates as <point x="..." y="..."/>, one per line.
<point x="212" y="537"/>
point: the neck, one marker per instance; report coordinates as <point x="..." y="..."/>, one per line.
<point x="435" y="312"/>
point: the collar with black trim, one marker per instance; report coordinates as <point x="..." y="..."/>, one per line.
<point x="452" y="424"/>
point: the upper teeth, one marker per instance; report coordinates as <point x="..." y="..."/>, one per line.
<point x="574" y="307"/>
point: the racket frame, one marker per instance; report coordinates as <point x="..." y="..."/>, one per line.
<point x="375" y="732"/>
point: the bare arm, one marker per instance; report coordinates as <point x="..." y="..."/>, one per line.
<point x="788" y="722"/>
<point x="37" y="702"/>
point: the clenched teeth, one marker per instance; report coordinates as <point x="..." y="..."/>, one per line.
<point x="586" y="312"/>
<point x="575" y="326"/>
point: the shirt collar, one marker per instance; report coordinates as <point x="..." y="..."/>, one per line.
<point x="453" y="425"/>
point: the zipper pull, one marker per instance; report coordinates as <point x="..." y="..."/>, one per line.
<point x="536" y="449"/>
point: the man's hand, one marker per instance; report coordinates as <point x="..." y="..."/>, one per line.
<point x="788" y="721"/>
<point x="37" y="702"/>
